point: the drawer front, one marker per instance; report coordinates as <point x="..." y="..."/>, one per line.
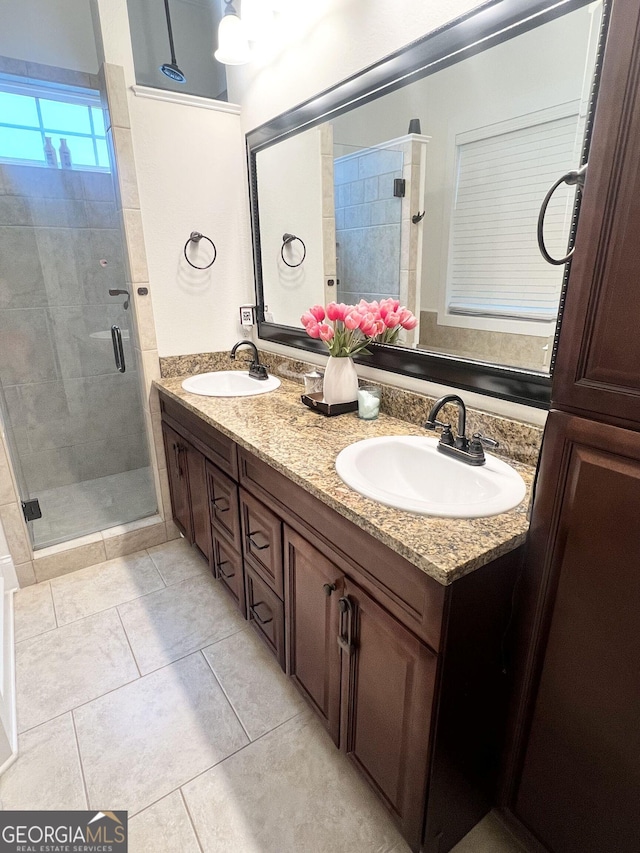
<point x="266" y="612"/>
<point x="262" y="541"/>
<point x="227" y="567"/>
<point x="223" y="505"/>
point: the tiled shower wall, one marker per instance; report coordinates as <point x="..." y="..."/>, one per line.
<point x="73" y="416"/>
<point x="368" y="224"/>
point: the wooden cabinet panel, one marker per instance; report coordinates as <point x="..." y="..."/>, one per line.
<point x="266" y="612"/>
<point x="223" y="505"/>
<point x="388" y="682"/>
<point x="215" y="445"/>
<point x="227" y="567"/>
<point x="596" y="371"/>
<point x="199" y="500"/>
<point x="175" y="452"/>
<point x="312" y="588"/>
<point x="579" y="786"/>
<point x="262" y="539"/>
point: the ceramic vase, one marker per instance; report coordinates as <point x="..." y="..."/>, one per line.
<point x="340" y="381"/>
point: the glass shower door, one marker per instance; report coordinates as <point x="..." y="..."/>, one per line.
<point x="72" y="402"/>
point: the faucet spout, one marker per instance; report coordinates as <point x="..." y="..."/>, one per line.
<point x="462" y="412"/>
<point x="256" y="370"/>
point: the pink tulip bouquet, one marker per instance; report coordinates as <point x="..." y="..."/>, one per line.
<point x="348" y="329"/>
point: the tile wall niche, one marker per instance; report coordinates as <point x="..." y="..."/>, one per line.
<point x="55" y="227"/>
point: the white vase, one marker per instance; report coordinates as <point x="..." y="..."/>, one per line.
<point x="340" y="381"/>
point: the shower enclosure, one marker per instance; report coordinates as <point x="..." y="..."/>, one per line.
<point x="70" y="398"/>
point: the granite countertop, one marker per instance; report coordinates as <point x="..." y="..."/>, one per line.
<point x="303" y="445"/>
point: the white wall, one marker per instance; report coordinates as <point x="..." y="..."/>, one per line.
<point x="54" y="32"/>
<point x="290" y="201"/>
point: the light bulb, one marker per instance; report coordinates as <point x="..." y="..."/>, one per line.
<point x="233" y="48"/>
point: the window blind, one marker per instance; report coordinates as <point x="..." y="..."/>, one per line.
<point x="495" y="267"/>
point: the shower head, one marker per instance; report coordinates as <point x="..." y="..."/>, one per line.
<point x="170" y="69"/>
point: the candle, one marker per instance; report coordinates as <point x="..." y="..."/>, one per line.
<point x="368" y="403"/>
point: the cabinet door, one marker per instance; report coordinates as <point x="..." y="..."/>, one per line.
<point x="175" y="449"/>
<point x="313" y="586"/>
<point x="223" y="505"/>
<point x="199" y="501"/>
<point x="388" y="679"/>
<point x="227" y="567"/>
<point x="579" y="785"/>
<point x="262" y="540"/>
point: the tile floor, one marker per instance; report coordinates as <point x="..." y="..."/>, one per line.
<point x="141" y="688"/>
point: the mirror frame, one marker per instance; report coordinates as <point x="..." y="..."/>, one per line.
<point x="484" y="27"/>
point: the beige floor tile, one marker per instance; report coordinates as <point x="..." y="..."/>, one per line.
<point x="180" y="619"/>
<point x="103" y="586"/>
<point x="46" y="774"/>
<point x="163" y="828"/>
<point x="488" y="836"/>
<point x="290" y="791"/>
<point x="261" y="694"/>
<point x="60" y="670"/>
<point x="177" y="561"/>
<point x="33" y="611"/>
<point x="141" y="742"/>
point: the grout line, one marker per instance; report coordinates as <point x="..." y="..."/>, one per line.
<point x="133" y="655"/>
<point x="191" y="820"/>
<point x="226" y="696"/>
<point x="53" y="604"/>
<point x="84" y="781"/>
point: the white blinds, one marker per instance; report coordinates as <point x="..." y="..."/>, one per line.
<point x="495" y="267"/>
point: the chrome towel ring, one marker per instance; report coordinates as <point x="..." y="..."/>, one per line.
<point x="195" y="237"/>
<point x="289" y="238"/>
<point x="575" y="178"/>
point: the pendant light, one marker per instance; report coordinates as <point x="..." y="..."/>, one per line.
<point x="233" y="47"/>
<point x="170" y="69"/>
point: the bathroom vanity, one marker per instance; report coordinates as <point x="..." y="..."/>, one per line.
<point x="392" y="626"/>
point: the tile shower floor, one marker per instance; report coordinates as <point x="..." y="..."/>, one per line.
<point x="91" y="505"/>
<point x="139" y="687"/>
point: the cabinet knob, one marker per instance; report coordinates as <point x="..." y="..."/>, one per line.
<point x="328" y="588"/>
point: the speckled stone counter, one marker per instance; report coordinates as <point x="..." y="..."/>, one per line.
<point x="303" y="445"/>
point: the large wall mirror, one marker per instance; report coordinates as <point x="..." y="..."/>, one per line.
<point x="422" y="179"/>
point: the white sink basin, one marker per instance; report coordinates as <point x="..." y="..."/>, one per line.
<point x="229" y="383"/>
<point x="408" y="472"/>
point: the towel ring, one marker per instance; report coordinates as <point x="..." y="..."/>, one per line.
<point x="571" y="179"/>
<point x="195" y="237"/>
<point x="289" y="238"/>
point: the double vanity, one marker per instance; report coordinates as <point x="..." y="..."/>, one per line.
<point x="393" y="625"/>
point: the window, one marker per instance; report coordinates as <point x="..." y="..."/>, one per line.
<point x="503" y="173"/>
<point x="31" y="111"/>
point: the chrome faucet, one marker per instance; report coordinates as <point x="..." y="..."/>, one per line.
<point x="256" y="370"/>
<point x="459" y="446"/>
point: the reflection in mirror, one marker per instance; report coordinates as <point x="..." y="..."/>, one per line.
<point x="443" y="219"/>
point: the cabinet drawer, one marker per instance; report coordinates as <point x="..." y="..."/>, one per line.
<point x="262" y="540"/>
<point x="223" y="505"/>
<point x="227" y="567"/>
<point x="266" y="612"/>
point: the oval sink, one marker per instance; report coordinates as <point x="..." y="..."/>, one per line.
<point x="229" y="383"/>
<point x="408" y="472"/>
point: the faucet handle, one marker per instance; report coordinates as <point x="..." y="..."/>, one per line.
<point x="485" y="440"/>
<point x="436" y="425"/>
<point x="446" y="437"/>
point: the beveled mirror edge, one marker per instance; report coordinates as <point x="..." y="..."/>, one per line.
<point x="476" y="30"/>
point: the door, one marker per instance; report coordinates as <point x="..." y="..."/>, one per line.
<point x="313" y="586"/>
<point x="175" y="449"/>
<point x="579" y="786"/>
<point x="199" y="500"/>
<point x="388" y="679"/>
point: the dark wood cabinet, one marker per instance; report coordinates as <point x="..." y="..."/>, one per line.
<point x="199" y="500"/>
<point x="175" y="449"/>
<point x="407" y="675"/>
<point x="314" y="586"/>
<point x="388" y="685"/>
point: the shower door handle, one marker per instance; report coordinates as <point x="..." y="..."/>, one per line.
<point x="118" y="350"/>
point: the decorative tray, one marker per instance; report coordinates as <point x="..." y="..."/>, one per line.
<point x="315" y="402"/>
